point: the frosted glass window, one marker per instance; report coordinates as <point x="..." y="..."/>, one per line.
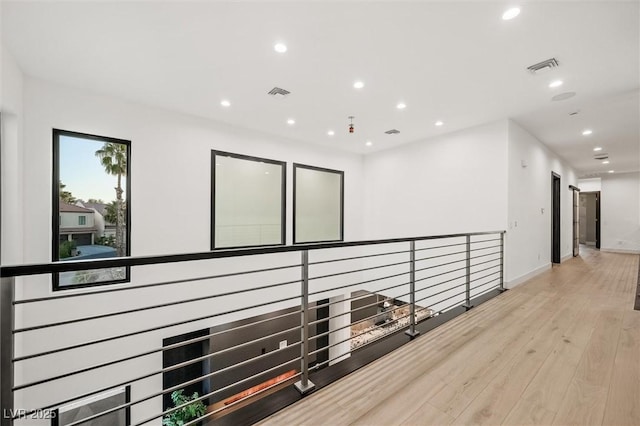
<point x="318" y="204"/>
<point x="248" y="201"/>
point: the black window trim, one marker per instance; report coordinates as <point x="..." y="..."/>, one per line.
<point x="283" y="197"/>
<point x="55" y="212"/>
<point x="297" y="166"/>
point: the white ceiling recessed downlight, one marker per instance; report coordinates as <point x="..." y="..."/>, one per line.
<point x="291" y="122"/>
<point x="511" y="13"/>
<point x="225" y="103"/>
<point x="587" y="132"/>
<point x="606" y="162"/>
<point x="612" y="171"/>
<point x="597" y="148"/>
<point x="369" y="143"/>
<point x="358" y="85"/>
<point x="331" y="133"/>
<point x="401" y="105"/>
<point x="438" y="123"/>
<point x="555" y="83"/>
<point x="280" y="47"/>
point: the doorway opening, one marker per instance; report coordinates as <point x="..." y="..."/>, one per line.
<point x="590" y="219"/>
<point x="576" y="220"/>
<point x="555" y="218"/>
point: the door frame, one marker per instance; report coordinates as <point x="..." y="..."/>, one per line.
<point x="556" y="182"/>
<point x="575" y="195"/>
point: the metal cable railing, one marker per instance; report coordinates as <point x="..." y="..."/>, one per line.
<point x="246" y="330"/>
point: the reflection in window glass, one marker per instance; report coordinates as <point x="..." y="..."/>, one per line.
<point x="248" y="204"/>
<point x="318" y="204"/>
<point x="91" y="200"/>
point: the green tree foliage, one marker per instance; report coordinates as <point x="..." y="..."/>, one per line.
<point x="113" y="157"/>
<point x="66" y="248"/>
<point x="187" y="413"/>
<point x="65" y="196"/>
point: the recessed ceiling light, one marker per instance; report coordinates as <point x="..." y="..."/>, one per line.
<point x="511" y="13"/>
<point x="611" y="171"/>
<point x="401" y="106"/>
<point x="331" y="133"/>
<point x="266" y="173"/>
<point x="587" y="132"/>
<point x="280" y="47"/>
<point x="358" y="85"/>
<point x="438" y="123"/>
<point x="225" y="103"/>
<point x="291" y="121"/>
<point x="597" y="148"/>
<point x="556" y="83"/>
<point x="369" y="143"/>
<point x="605" y="162"/>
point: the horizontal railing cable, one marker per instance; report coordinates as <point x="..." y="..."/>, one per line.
<point x="320" y="262"/>
<point x="200" y="398"/>
<point x="358" y="297"/>
<point x="163" y="283"/>
<point x="150" y="352"/>
<point x="358" y="270"/>
<point x="135" y="333"/>
<point x="313" y="293"/>
<point x="146" y="308"/>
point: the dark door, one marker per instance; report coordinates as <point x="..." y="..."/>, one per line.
<point x="598" y="219"/>
<point x="555" y="217"/>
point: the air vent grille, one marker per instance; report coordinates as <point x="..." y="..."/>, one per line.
<point x="543" y="66"/>
<point x="278" y="92"/>
<point x="392" y="132"/>
<point x="601" y="156"/>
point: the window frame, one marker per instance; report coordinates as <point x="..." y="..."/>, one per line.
<point x="297" y="166"/>
<point x="55" y="212"/>
<point x="283" y="197"/>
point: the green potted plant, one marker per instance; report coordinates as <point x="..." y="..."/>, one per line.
<point x="187" y="413"/>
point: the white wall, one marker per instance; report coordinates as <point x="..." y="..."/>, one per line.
<point x="589" y="185"/>
<point x="620" y="212"/>
<point x="451" y="184"/>
<point x="11" y="152"/>
<point x="528" y="239"/>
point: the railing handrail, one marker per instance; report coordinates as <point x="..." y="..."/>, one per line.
<point x="113" y="262"/>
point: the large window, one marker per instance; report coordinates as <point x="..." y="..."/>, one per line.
<point x="248" y="197"/>
<point x="318" y="198"/>
<point x="91" y="215"/>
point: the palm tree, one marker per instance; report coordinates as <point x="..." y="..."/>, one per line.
<point x="65" y="196"/>
<point x="113" y="157"/>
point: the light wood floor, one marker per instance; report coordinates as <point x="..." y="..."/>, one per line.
<point x="562" y="348"/>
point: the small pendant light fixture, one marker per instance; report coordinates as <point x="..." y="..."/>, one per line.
<point x="351" y="128"/>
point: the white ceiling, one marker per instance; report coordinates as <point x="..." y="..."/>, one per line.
<point x="458" y="62"/>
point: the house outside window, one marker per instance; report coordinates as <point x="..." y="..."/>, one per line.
<point x="82" y="220"/>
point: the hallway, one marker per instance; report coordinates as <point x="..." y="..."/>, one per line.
<point x="561" y="348"/>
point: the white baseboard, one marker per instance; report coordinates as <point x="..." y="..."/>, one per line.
<point x="566" y="257"/>
<point x="522" y="278"/>
<point x="623" y="251"/>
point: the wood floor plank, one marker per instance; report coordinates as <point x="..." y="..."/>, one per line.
<point x="623" y="401"/>
<point x="561" y="348"/>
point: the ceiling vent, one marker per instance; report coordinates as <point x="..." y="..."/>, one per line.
<point x="278" y="92"/>
<point x="601" y="156"/>
<point x="543" y="66"/>
<point x="392" y="132"/>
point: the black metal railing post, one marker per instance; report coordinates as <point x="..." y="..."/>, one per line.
<point x="304" y="385"/>
<point x="6" y="350"/>
<point x="412" y="290"/>
<point x="501" y="288"/>
<point x="467" y="303"/>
